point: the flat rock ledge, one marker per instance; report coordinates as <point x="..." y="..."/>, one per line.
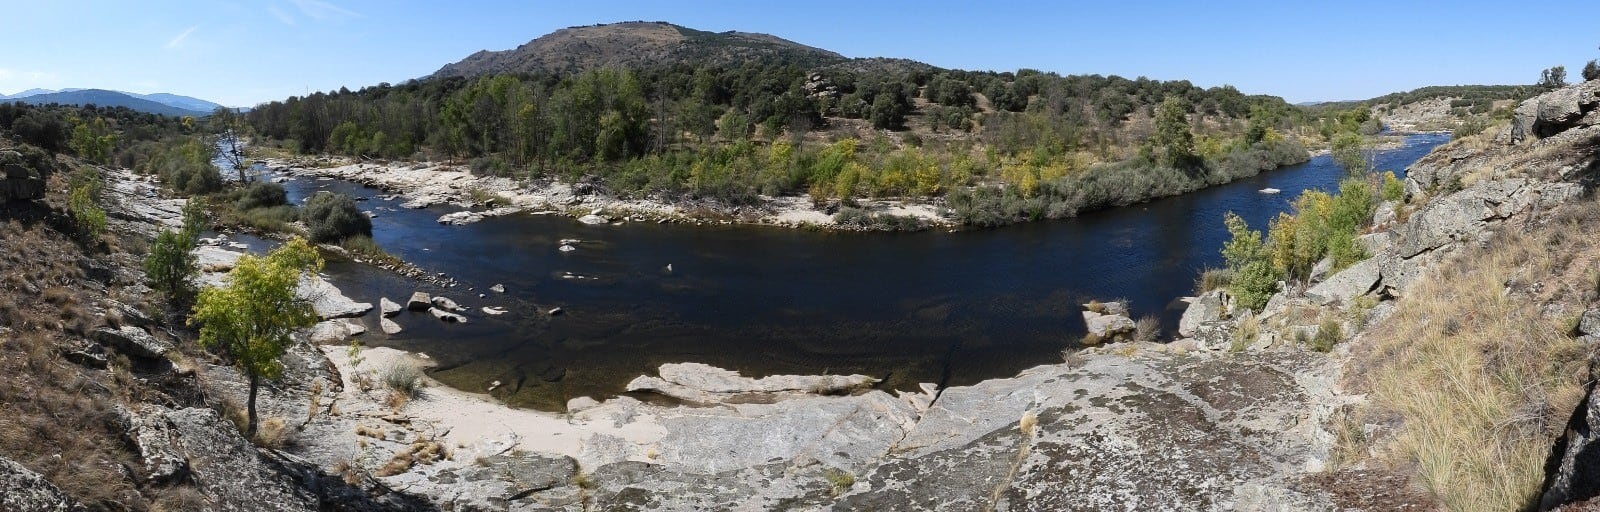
<point x="702" y="383"/>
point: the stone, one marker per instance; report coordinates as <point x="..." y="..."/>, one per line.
<point x="338" y="330"/>
<point x="420" y="301"/>
<point x="1376" y="243"/>
<point x="498" y="288"/>
<point x="1104" y="327"/>
<point x="493" y="310"/>
<point x="328" y="301"/>
<point x="1205" y="308"/>
<point x="446" y="304"/>
<point x="1556" y="111"/>
<point x="1397" y="274"/>
<point x="132" y="341"/>
<point x="389" y="327"/>
<point x="1575" y="476"/>
<point x="717" y="380"/>
<point x="130" y="315"/>
<point x="581" y="404"/>
<point x="388" y="307"/>
<point x="447" y="317"/>
<point x="593" y="219"/>
<point x="555" y="311"/>
<point x="566" y="248"/>
<point x="1347" y="284"/>
<point x="27" y="491"/>
<point x="1589" y="323"/>
<point x="1320" y="270"/>
<point x="162" y="458"/>
<point x="229" y="469"/>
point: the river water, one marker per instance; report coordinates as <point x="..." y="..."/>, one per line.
<point x="952" y="308"/>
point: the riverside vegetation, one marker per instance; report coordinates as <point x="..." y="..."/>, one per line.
<point x="1472" y="369"/>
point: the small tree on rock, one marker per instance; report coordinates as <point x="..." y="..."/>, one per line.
<point x="251" y="319"/>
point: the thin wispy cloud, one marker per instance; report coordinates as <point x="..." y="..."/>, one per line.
<point x="322" y="11"/>
<point x="280" y="15"/>
<point x="178" y="41"/>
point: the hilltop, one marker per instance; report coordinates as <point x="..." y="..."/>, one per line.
<point x="637" y="44"/>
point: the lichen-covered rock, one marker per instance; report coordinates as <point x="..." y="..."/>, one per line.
<point x="1347" y="284"/>
<point x="22" y="490"/>
<point x="227" y="468"/>
<point x="1205" y="308"/>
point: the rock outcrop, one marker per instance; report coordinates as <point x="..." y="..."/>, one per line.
<point x="420" y="301"/>
<point x="22" y="490"/>
<point x="22" y="176"/>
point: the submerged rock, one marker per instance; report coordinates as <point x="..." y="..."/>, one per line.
<point x="447" y="304"/>
<point x="447" y="317"/>
<point x="593" y="219"/>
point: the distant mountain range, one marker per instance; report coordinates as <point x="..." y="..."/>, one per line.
<point x="157" y="103"/>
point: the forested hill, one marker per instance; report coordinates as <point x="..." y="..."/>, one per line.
<point x="637" y="44"/>
<point x="660" y="110"/>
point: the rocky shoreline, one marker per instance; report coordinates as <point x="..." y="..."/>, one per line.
<point x="428" y="183"/>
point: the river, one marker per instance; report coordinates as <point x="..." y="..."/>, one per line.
<point x="951" y="308"/>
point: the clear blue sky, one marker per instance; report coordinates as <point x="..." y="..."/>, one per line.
<point x="245" y="52"/>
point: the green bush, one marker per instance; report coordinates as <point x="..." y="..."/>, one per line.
<point x="262" y="194"/>
<point x="185" y="167"/>
<point x="84" y="203"/>
<point x="1255" y="278"/>
<point x="332" y="217"/>
<point x="170" y="268"/>
<point x="1393" y="188"/>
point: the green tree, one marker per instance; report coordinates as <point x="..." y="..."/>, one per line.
<point x="1350" y="152"/>
<point x="84" y="203"/>
<point x="1591" y="71"/>
<point x="252" y="318"/>
<point x="1553" y="78"/>
<point x="93" y="140"/>
<point x="169" y="267"/>
<point x="1254" y="276"/>
<point x="1172" y="137"/>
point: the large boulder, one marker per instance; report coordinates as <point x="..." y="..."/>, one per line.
<point x="1347" y="284"/>
<point x="328" y="301"/>
<point x="21" y="176"/>
<point x="132" y="341"/>
<point x="1205" y="308"/>
<point x="1108" y="321"/>
<point x="1556" y="111"/>
<point x="22" y="490"/>
<point x="420" y="301"/>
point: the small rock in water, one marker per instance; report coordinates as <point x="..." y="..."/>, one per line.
<point x="567" y="248"/>
<point x="389" y="326"/>
<point x="498" y="288"/>
<point x="482" y="295"/>
<point x="556" y="311"/>
<point x="494" y="310"/>
<point x="493" y="385"/>
<point x="669" y="267"/>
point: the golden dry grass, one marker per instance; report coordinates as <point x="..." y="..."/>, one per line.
<point x="1473" y="380"/>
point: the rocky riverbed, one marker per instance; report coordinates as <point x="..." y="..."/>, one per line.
<point x="428" y="183"/>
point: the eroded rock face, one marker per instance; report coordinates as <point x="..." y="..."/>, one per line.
<point x="228" y="469"/>
<point x="1573" y="471"/>
<point x="22" y="176"/>
<point x="22" y="490"/>
<point x="1556" y="111"/>
<point x="1347" y="284"/>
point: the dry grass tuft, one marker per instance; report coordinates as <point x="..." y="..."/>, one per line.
<point x="1476" y="383"/>
<point x="275" y="433"/>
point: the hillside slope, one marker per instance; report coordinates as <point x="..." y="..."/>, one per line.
<point x="636" y="45"/>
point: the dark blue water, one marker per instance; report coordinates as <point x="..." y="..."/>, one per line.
<point x="922" y="307"/>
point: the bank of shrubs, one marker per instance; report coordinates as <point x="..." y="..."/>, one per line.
<point x="1110" y="185"/>
<point x="1322" y="226"/>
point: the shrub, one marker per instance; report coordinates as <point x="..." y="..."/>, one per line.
<point x="839" y="480"/>
<point x="1393" y="188"/>
<point x="1213" y="278"/>
<point x="331" y="217"/>
<point x="185" y="167"/>
<point x="86" y="213"/>
<point x="1329" y="333"/>
<point x="262" y="194"/>
<point x="1148" y="328"/>
<point x="170" y="268"/>
<point x="403" y="377"/>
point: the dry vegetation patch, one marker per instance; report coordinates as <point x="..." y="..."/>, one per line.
<point x="1472" y="379"/>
